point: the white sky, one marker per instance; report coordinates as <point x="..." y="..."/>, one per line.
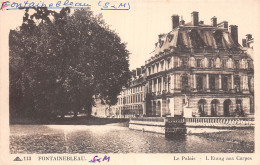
<point x="140" y="26"/>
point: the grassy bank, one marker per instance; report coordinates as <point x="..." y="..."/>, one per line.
<point x="80" y="120"/>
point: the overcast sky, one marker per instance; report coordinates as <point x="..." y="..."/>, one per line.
<point x="140" y="26"/>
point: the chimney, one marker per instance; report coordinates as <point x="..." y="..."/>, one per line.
<point x="201" y="22"/>
<point x="214" y="21"/>
<point x="133" y="74"/>
<point x="244" y="42"/>
<point x="248" y="37"/>
<point x="143" y="69"/>
<point x="138" y="71"/>
<point x="234" y="33"/>
<point x="223" y="24"/>
<point x="195" y="18"/>
<point x="175" y="21"/>
<point x="182" y="22"/>
<point x="160" y="36"/>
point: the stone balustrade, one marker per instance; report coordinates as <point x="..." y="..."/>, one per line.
<point x="199" y="121"/>
<point x="221" y="121"/>
<point x="149" y="119"/>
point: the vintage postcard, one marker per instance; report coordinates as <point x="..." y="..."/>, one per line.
<point x="129" y="82"/>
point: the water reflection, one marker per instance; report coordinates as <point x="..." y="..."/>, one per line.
<point x="108" y="139"/>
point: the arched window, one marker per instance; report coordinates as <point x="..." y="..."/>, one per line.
<point x="214" y="107"/>
<point x="239" y="110"/>
<point x="205" y="62"/>
<point x="202" y="107"/>
<point x="192" y="62"/>
<point x="227" y="107"/>
<point x="230" y="63"/>
<point x="218" y="62"/>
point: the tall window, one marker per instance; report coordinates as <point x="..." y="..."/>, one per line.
<point x="201" y="106"/>
<point x="239" y="110"/>
<point x="162" y="64"/>
<point x="212" y="81"/>
<point x="159" y="84"/>
<point x="199" y="63"/>
<point x="224" y="61"/>
<point x="199" y="82"/>
<point x="168" y="63"/>
<point x="154" y="85"/>
<point x="236" y="64"/>
<point x="185" y="83"/>
<point x="210" y="63"/>
<point x="184" y="62"/>
<point x="169" y="83"/>
<point x="237" y="83"/>
<point x="175" y="61"/>
<point x="150" y="86"/>
<point x="249" y="83"/>
<point x="224" y="83"/>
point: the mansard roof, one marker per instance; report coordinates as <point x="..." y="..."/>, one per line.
<point x="201" y="36"/>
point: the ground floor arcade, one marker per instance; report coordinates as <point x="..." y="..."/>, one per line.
<point x="203" y="106"/>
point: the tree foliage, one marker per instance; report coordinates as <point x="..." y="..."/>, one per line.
<point x="60" y="61"/>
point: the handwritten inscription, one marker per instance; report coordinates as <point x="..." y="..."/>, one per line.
<point x="113" y="5"/>
<point x="100" y="159"/>
<point x="104" y="5"/>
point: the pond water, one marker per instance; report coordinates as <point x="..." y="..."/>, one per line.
<point x="109" y="139"/>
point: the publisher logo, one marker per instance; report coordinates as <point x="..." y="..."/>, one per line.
<point x="17" y="159"/>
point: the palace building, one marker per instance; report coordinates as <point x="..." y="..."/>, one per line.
<point x="201" y="64"/>
<point x="131" y="100"/>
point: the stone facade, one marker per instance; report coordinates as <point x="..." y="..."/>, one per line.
<point x="198" y="66"/>
<point x="131" y="100"/>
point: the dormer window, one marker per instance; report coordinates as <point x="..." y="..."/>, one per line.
<point x="170" y="37"/>
<point x="161" y="43"/>
<point x="218" y="38"/>
<point x="196" y="40"/>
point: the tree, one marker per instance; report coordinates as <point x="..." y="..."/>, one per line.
<point x="60" y="61"/>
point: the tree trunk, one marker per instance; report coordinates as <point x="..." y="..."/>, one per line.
<point x="89" y="111"/>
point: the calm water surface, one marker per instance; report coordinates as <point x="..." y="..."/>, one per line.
<point x="109" y="139"/>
